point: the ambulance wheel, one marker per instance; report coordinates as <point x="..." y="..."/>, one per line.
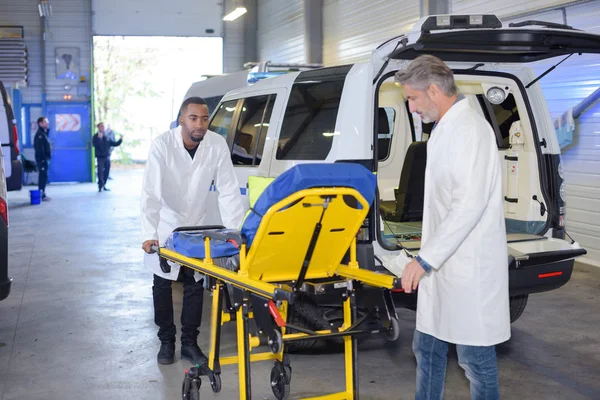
<point x="393" y="332"/>
<point x="517" y="306"/>
<point x="304" y="312"/>
<point x="215" y="383"/>
<point x="280" y="381"/>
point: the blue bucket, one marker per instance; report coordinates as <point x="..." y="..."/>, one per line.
<point x="36" y="196"/>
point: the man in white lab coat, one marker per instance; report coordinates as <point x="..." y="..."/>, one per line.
<point x="461" y="270"/>
<point x="182" y="166"/>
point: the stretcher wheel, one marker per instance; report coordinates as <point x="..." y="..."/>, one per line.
<point x="190" y="389"/>
<point x="280" y="380"/>
<point x="215" y="383"/>
<point x="393" y="332"/>
<point x="276" y="344"/>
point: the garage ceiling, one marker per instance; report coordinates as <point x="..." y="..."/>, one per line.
<point x="157" y="17"/>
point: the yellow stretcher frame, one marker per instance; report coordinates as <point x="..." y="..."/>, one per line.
<point x="282" y="293"/>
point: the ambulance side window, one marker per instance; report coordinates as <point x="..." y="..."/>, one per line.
<point x="385" y="125"/>
<point x="221" y="122"/>
<point x="251" y="131"/>
<point x="308" y="126"/>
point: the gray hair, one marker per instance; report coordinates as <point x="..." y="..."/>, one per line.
<point x="426" y="70"/>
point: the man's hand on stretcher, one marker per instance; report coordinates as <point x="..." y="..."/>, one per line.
<point x="413" y="272"/>
<point x="147" y="246"/>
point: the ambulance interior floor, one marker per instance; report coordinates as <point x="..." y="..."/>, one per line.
<point x="79" y="321"/>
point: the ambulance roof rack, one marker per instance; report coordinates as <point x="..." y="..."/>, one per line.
<point x="445" y="22"/>
<point x="266" y="65"/>
<point x="540" y="23"/>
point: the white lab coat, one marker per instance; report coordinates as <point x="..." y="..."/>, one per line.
<point x="176" y="188"/>
<point x="464" y="299"/>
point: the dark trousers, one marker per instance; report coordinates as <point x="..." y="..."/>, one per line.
<point x="103" y="164"/>
<point x="42" y="167"/>
<point x="191" y="313"/>
<point x="107" y="169"/>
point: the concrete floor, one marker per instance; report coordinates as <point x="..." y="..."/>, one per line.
<point x="79" y="322"/>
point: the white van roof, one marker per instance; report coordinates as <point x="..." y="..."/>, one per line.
<point x="214" y="86"/>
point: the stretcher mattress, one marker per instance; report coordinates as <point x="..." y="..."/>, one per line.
<point x="300" y="177"/>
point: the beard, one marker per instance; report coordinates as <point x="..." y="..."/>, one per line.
<point x="195" y="136"/>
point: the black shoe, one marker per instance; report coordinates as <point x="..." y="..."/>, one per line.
<point x="166" y="354"/>
<point x="192" y="353"/>
<point x="99" y="189"/>
<point x="106" y="189"/>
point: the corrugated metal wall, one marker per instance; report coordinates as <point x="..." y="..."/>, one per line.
<point x="502" y="8"/>
<point x="69" y="27"/>
<point x="564" y="88"/>
<point x="354" y="28"/>
<point x="25" y="13"/>
<point x="233" y="43"/>
<point x="281" y="31"/>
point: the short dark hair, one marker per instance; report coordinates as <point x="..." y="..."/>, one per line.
<point x="99" y="123"/>
<point x="41" y="119"/>
<point x="191" y="100"/>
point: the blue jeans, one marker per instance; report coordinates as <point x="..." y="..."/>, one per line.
<point x="479" y="363"/>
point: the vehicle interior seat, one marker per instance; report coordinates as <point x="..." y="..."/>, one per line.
<point x="410" y="193"/>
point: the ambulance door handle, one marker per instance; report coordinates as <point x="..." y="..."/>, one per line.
<point x="542" y="206"/>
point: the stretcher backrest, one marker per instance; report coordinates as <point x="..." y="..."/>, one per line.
<point x="281" y="242"/>
<point x="307" y="176"/>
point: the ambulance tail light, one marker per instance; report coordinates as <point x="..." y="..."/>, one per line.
<point x="550" y="275"/>
<point x="4" y="211"/>
<point x="16" y="138"/>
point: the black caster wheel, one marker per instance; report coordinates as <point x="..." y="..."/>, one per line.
<point x="280" y="380"/>
<point x="276" y="343"/>
<point x="190" y="388"/>
<point x="215" y="383"/>
<point x="393" y="332"/>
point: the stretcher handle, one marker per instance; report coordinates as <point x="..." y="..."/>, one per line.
<point x="198" y="228"/>
<point x="154" y="248"/>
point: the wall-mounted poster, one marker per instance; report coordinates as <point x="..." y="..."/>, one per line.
<point x="67" y="63"/>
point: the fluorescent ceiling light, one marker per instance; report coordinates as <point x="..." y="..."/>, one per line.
<point x="235" y="14"/>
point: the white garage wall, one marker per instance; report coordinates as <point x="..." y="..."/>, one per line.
<point x="157" y="17"/>
<point x="564" y="88"/>
<point x="502" y="8"/>
<point x="354" y="28"/>
<point x="281" y="31"/>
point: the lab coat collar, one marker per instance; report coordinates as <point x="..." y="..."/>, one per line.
<point x="460" y="104"/>
<point x="178" y="137"/>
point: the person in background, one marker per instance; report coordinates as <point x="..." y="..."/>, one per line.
<point x="182" y="164"/>
<point x="461" y="267"/>
<point x="110" y="134"/>
<point x="102" y="145"/>
<point x="43" y="154"/>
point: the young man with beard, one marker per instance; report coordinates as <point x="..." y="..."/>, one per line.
<point x="182" y="165"/>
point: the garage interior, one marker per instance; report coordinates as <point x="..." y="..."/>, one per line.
<point x="78" y="322"/>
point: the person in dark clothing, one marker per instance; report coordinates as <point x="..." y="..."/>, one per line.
<point x="43" y="153"/>
<point x="102" y="145"/>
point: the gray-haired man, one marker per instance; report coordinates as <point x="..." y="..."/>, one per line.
<point x="461" y="268"/>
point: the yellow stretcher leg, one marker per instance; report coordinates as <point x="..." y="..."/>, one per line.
<point x="215" y="326"/>
<point x="243" y="350"/>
